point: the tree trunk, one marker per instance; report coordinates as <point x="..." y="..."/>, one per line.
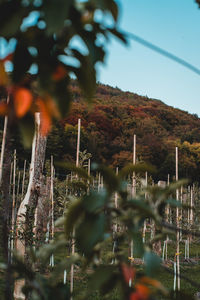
<point x="5" y="206"/>
<point x="26" y="212"/>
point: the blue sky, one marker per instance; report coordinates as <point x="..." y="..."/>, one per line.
<point x="173" y="25"/>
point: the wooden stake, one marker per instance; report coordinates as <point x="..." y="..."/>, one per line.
<point x="134" y="162"/>
<point x="52" y="198"/>
<point x="78" y="143"/>
<point x="133" y="182"/>
<point x="23" y="179"/>
<point x="13" y="202"/>
<point x="145" y="225"/>
<point x="10" y="182"/>
<point x="73" y="240"/>
<point x="88" y="182"/>
<point x="177" y="224"/>
<point x="3" y="143"/>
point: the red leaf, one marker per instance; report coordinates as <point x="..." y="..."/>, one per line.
<point x="22" y="101"/>
<point x="59" y="73"/>
<point x="128" y="272"/>
<point x="134" y="296"/>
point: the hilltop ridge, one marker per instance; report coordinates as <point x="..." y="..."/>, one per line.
<point x="108" y="126"/>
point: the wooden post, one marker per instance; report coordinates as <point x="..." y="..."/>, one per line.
<point x="13" y="203"/>
<point x="78" y="143"/>
<point x="73" y="240"/>
<point x="10" y="181"/>
<point x="115" y="226"/>
<point x="99" y="181"/>
<point x="191" y="205"/>
<point x="88" y="182"/>
<point x="3" y="144"/>
<point x="145" y="225"/>
<point x="181" y="212"/>
<point x="177" y="224"/>
<point x="133" y="182"/>
<point x="52" y="208"/>
<point x="18" y="183"/>
<point x="134" y="162"/>
<point x="23" y="179"/>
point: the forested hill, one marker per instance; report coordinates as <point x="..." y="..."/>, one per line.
<point x="109" y="124"/>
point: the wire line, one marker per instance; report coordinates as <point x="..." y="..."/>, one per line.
<point x="163" y="52"/>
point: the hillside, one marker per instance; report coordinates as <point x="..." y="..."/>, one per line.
<point x="109" y="124"/>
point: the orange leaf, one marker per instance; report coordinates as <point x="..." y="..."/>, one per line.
<point x="3" y="75"/>
<point x="150" y="281"/>
<point x="59" y="73"/>
<point x="3" y="108"/>
<point x="143" y="291"/>
<point x="22" y="101"/>
<point x="45" y="117"/>
<point x="128" y="272"/>
<point x="153" y="282"/>
<point x="134" y="296"/>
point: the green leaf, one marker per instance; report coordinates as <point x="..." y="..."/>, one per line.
<point x="82" y="173"/>
<point x="94" y="201"/>
<point x="22" y="61"/>
<point x="101" y="276"/>
<point x="113" y="8"/>
<point x="110" y="178"/>
<point x="73" y="213"/>
<point x="46" y="251"/>
<point x="103" y="279"/>
<point x="11" y="16"/>
<point x="90" y="232"/>
<point x="138" y="168"/>
<point x="85" y="74"/>
<point x="174" y="202"/>
<point x="138" y="245"/>
<point x="152" y="263"/>
<point x="56" y="12"/>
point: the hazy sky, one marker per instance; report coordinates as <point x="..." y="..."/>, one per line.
<point x="173" y="25"/>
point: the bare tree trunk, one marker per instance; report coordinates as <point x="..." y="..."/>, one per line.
<point x="5" y="206"/>
<point x="26" y="212"/>
<point x="43" y="209"/>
